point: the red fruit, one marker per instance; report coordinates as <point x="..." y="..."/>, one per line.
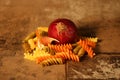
<point x="63" y="30"/>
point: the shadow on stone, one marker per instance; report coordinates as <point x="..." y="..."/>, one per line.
<point x="88" y="27"/>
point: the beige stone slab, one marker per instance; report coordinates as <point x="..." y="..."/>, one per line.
<point x="101" y="67"/>
<point x="15" y="67"/>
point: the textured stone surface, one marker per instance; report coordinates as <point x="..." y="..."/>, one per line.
<point x="20" y="17"/>
<point x="16" y="68"/>
<point x="101" y="67"/>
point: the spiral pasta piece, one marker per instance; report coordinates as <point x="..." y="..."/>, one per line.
<point x="42" y="58"/>
<point x="87" y="48"/>
<point x="38" y="47"/>
<point x="87" y="42"/>
<point x="67" y="56"/>
<point x="52" y="61"/>
<point x="93" y="39"/>
<point x="60" y="48"/>
<point x="36" y="53"/>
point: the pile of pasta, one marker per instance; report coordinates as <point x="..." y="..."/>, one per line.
<point x="49" y="54"/>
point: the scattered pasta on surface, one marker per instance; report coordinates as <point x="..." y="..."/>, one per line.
<point x="52" y="61"/>
<point x="68" y="56"/>
<point x="87" y="42"/>
<point x="50" y="54"/>
<point x="36" y="53"/>
<point x="85" y="45"/>
<point x="61" y="47"/>
<point x="93" y="39"/>
<point x="42" y="58"/>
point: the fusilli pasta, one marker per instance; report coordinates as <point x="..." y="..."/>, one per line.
<point x="60" y="48"/>
<point x="76" y="49"/>
<point x="42" y="58"/>
<point x="67" y="56"/>
<point x="52" y="61"/>
<point x="93" y="39"/>
<point x="87" y="42"/>
<point x="87" y="48"/>
<point x="38" y="47"/>
<point x="36" y="53"/>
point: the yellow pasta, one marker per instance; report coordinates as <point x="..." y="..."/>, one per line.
<point x="94" y="39"/>
<point x="40" y="52"/>
<point x="81" y="52"/>
<point x="29" y="56"/>
<point x="31" y="43"/>
<point x="36" y="53"/>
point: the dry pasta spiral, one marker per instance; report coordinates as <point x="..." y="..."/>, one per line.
<point x="60" y="48"/>
<point x="68" y="56"/>
<point x="52" y="61"/>
<point x="87" y="42"/>
<point x="42" y="58"/>
<point x="87" y="48"/>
